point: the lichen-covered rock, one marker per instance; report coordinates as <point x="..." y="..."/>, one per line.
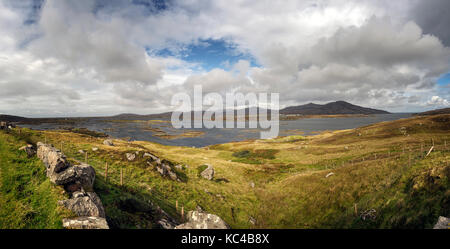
<point x="83" y="175"/>
<point x="54" y="160"/>
<point x="85" y="223"/>
<point x="203" y="220"/>
<point x="108" y="142"/>
<point x="166" y="170"/>
<point x="89" y="205"/>
<point x="152" y="157"/>
<point x="208" y="173"/>
<point x="130" y="156"/>
<point x="29" y="149"/>
<point x="442" y="223"/>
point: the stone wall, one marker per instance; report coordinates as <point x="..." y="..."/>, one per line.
<point x="78" y="182"/>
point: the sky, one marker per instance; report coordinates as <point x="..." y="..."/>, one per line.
<point x="104" y="57"/>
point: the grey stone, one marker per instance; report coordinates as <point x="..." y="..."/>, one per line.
<point x="442" y="223"/>
<point x="203" y="220"/>
<point x="54" y="159"/>
<point x="208" y="173"/>
<point x="29" y="149"/>
<point x="108" y="142"/>
<point x="130" y="156"/>
<point x="89" y="205"/>
<point x="85" y="223"/>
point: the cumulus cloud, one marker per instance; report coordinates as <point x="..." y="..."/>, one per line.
<point x="438" y="101"/>
<point x="91" y="57"/>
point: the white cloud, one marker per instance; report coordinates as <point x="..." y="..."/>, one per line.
<point x="76" y="62"/>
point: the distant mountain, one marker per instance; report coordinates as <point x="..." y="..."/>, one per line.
<point x="435" y="112"/>
<point x="338" y="107"/>
<point x="10" y="118"/>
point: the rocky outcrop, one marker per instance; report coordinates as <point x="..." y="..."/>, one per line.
<point x="442" y="223"/>
<point x="164" y="167"/>
<point x="165" y="170"/>
<point x="78" y="181"/>
<point x="85" y="223"/>
<point x="208" y="173"/>
<point x="130" y="156"/>
<point x="29" y="149"/>
<point x="108" y="142"/>
<point x="88" y="205"/>
<point x="202" y="220"/>
<point x="54" y="160"/>
<point x="6" y="125"/>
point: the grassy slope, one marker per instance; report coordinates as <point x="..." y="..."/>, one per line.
<point x="27" y="198"/>
<point x="377" y="167"/>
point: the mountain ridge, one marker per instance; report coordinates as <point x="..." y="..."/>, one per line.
<point x="332" y="108"/>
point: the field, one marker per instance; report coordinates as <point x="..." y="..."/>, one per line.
<point x="378" y="176"/>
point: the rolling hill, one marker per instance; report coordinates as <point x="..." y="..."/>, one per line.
<point x="333" y="108"/>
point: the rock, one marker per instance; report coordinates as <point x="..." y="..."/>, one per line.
<point x="442" y="223"/>
<point x="165" y="224"/>
<point x="252" y="220"/>
<point x="82" y="174"/>
<point x="208" y="173"/>
<point x="89" y="205"/>
<point x="130" y="156"/>
<point x="152" y="157"/>
<point x="78" y="194"/>
<point x="179" y="167"/>
<point x="54" y="160"/>
<point x="85" y="223"/>
<point x="29" y="149"/>
<point x="202" y="220"/>
<point x="82" y="152"/>
<point x="95" y="149"/>
<point x="252" y="184"/>
<point x="108" y="142"/>
<point x="165" y="170"/>
<point x="329" y="174"/>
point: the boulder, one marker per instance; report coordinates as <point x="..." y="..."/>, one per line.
<point x="208" y="173"/>
<point x="89" y="205"/>
<point x="329" y="174"/>
<point x="54" y="160"/>
<point x="165" y="170"/>
<point x="165" y="224"/>
<point x="152" y="157"/>
<point x="29" y="149"/>
<point x="83" y="175"/>
<point x="82" y="152"/>
<point x="442" y="223"/>
<point x="202" y="220"/>
<point x="95" y="149"/>
<point x="85" y="223"/>
<point x="130" y="156"/>
<point x="108" y="142"/>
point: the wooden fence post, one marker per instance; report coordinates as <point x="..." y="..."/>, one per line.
<point x="121" y="176"/>
<point x="182" y="213"/>
<point x="86" y="157"/>
<point x="356" y="209"/>
<point x="176" y="205"/>
<point x="106" y="172"/>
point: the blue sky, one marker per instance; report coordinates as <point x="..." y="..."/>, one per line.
<point x="444" y="79"/>
<point x="207" y="53"/>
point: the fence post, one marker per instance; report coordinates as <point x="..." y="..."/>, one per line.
<point x="176" y="205"/>
<point x="121" y="176"/>
<point x="182" y="213"/>
<point x="86" y="157"/>
<point x="106" y="172"/>
<point x="356" y="209"/>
